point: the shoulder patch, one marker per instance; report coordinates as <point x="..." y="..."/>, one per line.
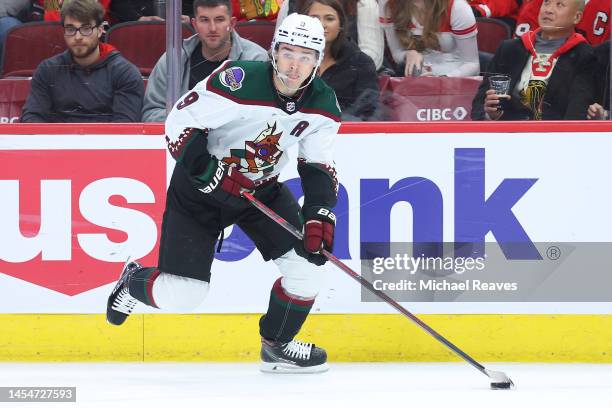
<point x="232" y="78"/>
<point x="245" y="82"/>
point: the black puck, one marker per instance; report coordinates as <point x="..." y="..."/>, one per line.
<point x="501" y="385"/>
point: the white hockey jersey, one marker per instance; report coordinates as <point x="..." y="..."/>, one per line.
<point x="250" y="126"/>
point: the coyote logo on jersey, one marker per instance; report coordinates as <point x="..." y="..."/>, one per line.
<point x="232" y="78"/>
<point x="259" y="155"/>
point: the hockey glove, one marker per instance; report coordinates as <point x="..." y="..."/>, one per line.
<point x="319" y="224"/>
<point x="225" y="183"/>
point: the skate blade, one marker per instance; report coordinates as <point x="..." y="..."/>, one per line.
<point x="284" y="368"/>
<point x="127" y="261"/>
<point x="118" y="283"/>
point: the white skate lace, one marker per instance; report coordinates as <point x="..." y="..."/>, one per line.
<point x="297" y="349"/>
<point x="124" y="302"/>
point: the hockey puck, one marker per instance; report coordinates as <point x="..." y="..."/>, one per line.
<point x="501" y="385"/>
<point x="499" y="380"/>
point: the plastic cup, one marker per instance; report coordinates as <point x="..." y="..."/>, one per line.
<point x="500" y="84"/>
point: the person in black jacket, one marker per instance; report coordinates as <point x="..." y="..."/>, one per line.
<point x="550" y="70"/>
<point x="350" y="72"/>
<point x="90" y="81"/>
<point x="601" y="81"/>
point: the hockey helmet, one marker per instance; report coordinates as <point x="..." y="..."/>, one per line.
<point x="303" y="31"/>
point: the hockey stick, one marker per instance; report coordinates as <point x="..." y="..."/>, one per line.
<point x="499" y="380"/>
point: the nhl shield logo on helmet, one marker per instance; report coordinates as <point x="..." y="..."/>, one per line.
<point x="232" y="78"/>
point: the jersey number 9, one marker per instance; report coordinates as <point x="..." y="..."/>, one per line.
<point x="188" y="100"/>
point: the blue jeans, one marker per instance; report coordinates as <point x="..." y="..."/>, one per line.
<point x="6" y="23"/>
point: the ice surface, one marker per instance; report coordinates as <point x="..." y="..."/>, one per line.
<point x="178" y="385"/>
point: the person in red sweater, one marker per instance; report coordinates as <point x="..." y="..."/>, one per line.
<point x="594" y="25"/>
<point x="527" y="18"/>
<point x="494" y="8"/>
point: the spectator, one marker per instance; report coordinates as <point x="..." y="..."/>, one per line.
<point x="550" y="70"/>
<point x="215" y="41"/>
<point x="53" y="7"/>
<point x="527" y="17"/>
<point x="90" y="81"/>
<point x="248" y="10"/>
<point x="187" y="6"/>
<point x="12" y="13"/>
<point x="350" y="72"/>
<point x="363" y="27"/>
<point x="594" y="24"/>
<point x="601" y="108"/>
<point x="245" y="10"/>
<point x="494" y="8"/>
<point x="122" y="11"/>
<point x="431" y="37"/>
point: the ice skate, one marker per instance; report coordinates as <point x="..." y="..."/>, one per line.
<point x="120" y="302"/>
<point x="293" y="357"/>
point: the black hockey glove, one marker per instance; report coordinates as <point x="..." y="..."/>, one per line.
<point x="224" y="183"/>
<point x="319" y="224"/>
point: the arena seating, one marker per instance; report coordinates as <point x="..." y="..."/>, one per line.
<point x="142" y="42"/>
<point x="260" y="32"/>
<point x="403" y="99"/>
<point x="428" y="98"/>
<point x="491" y="32"/>
<point x="28" y="44"/>
<point x="13" y="94"/>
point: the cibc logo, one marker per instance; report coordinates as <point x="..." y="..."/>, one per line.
<point x="431" y="114"/>
<point x="70" y="217"/>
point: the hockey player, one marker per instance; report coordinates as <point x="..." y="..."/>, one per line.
<point x="228" y="135"/>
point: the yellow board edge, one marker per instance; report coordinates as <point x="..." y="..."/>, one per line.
<point x="346" y="337"/>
